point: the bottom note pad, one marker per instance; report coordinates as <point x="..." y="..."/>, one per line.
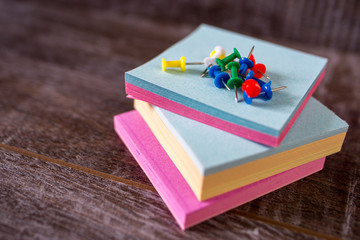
<point x="172" y="187"/>
<point x="214" y="162"/>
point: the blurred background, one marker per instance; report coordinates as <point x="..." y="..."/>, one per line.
<point x="325" y="23"/>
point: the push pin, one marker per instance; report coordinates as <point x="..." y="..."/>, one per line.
<point x="220" y="78"/>
<point x="252" y="88"/>
<point x="179" y="63"/>
<point x="260" y="70"/>
<point x="222" y="62"/>
<point x="218" y="52"/>
<point x="234" y="81"/>
<point x="245" y="64"/>
<point x="266" y="93"/>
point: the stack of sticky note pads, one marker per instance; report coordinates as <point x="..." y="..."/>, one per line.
<point x="206" y="153"/>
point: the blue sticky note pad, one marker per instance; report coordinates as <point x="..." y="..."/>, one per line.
<point x="213" y="150"/>
<point x="264" y="122"/>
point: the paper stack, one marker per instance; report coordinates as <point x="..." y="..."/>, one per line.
<point x="205" y="153"/>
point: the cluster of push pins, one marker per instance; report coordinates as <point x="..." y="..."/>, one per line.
<point x="231" y="74"/>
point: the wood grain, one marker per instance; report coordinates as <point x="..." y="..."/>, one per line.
<point x="61" y="81"/>
<point x="48" y="201"/>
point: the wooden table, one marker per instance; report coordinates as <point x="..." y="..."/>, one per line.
<point x="65" y="174"/>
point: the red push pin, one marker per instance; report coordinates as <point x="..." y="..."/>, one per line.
<point x="259" y="68"/>
<point x="251" y="87"/>
<point x="252" y="58"/>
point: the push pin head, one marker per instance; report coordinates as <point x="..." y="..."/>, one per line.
<point x="218" y="52"/>
<point x="266" y="89"/>
<point x="251" y="87"/>
<point x="222" y="62"/>
<point x="259" y="70"/>
<point x="245" y="64"/>
<point x="220" y="78"/>
<point x="246" y="61"/>
<point x="252" y="58"/>
<point x="179" y="63"/>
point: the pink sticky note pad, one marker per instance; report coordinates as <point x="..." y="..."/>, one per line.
<point x="172" y="187"/>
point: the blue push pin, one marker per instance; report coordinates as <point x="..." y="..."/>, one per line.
<point x="251" y="75"/>
<point x="245" y="64"/>
<point x="220" y="78"/>
<point x="266" y="93"/>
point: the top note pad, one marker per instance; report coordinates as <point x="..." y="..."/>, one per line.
<point x="187" y="94"/>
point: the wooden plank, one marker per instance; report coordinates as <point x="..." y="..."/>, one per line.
<point x="62" y="96"/>
<point x="42" y="200"/>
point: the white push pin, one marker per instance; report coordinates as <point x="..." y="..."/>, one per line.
<point x="218" y="52"/>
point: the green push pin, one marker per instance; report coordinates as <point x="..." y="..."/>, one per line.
<point x="234" y="82"/>
<point x="222" y="62"/>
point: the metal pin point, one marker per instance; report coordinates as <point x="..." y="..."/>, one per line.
<point x="252" y="49"/>
<point x="264" y="74"/>
<point x="236" y="94"/>
<point x="195" y="63"/>
<point x="278" y="88"/>
<point x="206" y="71"/>
<point x="227" y="87"/>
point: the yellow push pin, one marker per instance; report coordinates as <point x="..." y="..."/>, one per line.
<point x="179" y="63"/>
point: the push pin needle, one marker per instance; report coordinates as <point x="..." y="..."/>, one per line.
<point x="206" y="71"/>
<point x="236" y="94"/>
<point x="227" y="87"/>
<point x="252" y="49"/>
<point x="264" y="74"/>
<point x="278" y="88"/>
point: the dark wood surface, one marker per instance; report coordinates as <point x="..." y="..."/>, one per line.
<point x="64" y="173"/>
